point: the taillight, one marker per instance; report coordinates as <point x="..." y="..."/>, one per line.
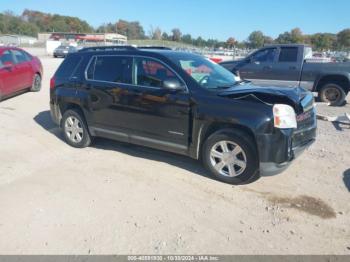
<point x="52" y="82"/>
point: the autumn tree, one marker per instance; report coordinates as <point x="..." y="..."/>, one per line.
<point x="176" y="34"/>
<point x="231" y="42"/>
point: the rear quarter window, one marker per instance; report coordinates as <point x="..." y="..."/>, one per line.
<point x="68" y="66"/>
<point x="288" y="54"/>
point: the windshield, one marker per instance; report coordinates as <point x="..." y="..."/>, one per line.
<point x="206" y="73"/>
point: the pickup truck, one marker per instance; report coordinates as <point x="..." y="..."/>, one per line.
<point x="289" y="66"/>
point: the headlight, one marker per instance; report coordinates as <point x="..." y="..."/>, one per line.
<point x="284" y="116"/>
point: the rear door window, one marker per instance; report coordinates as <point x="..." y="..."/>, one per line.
<point x="20" y="56"/>
<point x="288" y="54"/>
<point x="115" y="69"/>
<point x="68" y="66"/>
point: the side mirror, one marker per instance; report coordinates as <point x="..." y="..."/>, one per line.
<point x="173" y="84"/>
<point x="8" y="65"/>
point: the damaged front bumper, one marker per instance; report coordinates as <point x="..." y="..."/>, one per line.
<point x="278" y="150"/>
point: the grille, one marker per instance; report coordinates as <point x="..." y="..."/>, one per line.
<point x="306" y="130"/>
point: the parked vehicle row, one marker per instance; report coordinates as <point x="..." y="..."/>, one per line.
<point x="182" y="103"/>
<point x="19" y="71"/>
<point x="289" y="66"/>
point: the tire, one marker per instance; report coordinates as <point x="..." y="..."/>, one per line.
<point x="333" y="94"/>
<point x="36" y="85"/>
<point x="55" y="56"/>
<point x="244" y="169"/>
<point x="75" y="130"/>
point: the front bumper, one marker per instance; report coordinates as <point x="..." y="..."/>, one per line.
<point x="278" y="150"/>
<point x="272" y="168"/>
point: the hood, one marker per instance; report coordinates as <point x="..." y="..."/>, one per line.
<point x="231" y="62"/>
<point x="292" y="96"/>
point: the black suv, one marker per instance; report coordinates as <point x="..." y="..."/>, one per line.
<point x="182" y="103"/>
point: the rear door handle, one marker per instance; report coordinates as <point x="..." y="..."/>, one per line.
<point x="292" y="67"/>
<point x="267" y="67"/>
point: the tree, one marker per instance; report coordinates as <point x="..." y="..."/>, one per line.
<point x="187" y="38"/>
<point x="343" y="39"/>
<point x="323" y="41"/>
<point x="284" y="38"/>
<point x="268" y="40"/>
<point x="256" y="39"/>
<point x="199" y="42"/>
<point x="176" y="34"/>
<point x="107" y="28"/>
<point x="296" y="36"/>
<point x="165" y="36"/>
<point x="155" y="33"/>
<point x="231" y="42"/>
<point x="133" y="30"/>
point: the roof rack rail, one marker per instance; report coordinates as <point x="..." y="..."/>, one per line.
<point x="108" y="48"/>
<point x="154" y="47"/>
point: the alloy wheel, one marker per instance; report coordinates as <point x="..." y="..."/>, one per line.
<point x="228" y="158"/>
<point x="74" y="129"/>
<point x="37" y="83"/>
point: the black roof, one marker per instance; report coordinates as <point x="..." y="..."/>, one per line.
<point x="286" y="45"/>
<point x="122" y="48"/>
<point x="156" y="51"/>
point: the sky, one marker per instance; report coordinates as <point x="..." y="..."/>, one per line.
<point x="218" y="19"/>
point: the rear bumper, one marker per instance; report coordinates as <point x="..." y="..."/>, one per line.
<point x="55" y="113"/>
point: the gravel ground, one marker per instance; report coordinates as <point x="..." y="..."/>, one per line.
<point x="119" y="198"/>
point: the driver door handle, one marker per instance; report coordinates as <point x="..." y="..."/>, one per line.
<point x="267" y="67"/>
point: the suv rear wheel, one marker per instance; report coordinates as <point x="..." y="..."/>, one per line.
<point x="75" y="130"/>
<point x="332" y="94"/>
<point x="230" y="156"/>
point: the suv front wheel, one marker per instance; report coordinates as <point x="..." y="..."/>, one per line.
<point x="75" y="130"/>
<point x="231" y="156"/>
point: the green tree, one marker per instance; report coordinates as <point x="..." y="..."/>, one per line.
<point x="187" y="38"/>
<point x="165" y="36"/>
<point x="256" y="39"/>
<point x="284" y="38"/>
<point x="200" y="42"/>
<point x="323" y="41"/>
<point x="343" y="39"/>
<point x="296" y="36"/>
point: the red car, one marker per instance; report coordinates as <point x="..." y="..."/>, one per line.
<point x="18" y="71"/>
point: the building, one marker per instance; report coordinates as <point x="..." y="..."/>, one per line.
<point x="83" y="38"/>
<point x="17" y="40"/>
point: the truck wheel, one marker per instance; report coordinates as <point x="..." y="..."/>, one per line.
<point x="75" y="130"/>
<point x="332" y="94"/>
<point x="231" y="157"/>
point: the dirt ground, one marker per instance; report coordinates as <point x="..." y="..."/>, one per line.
<point x="114" y="198"/>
